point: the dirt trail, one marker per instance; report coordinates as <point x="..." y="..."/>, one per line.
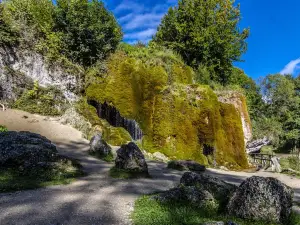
<point x="96" y="198"/>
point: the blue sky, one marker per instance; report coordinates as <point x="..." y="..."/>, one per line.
<point x="273" y="46"/>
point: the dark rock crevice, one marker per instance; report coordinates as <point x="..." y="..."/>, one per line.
<point x="114" y="118"/>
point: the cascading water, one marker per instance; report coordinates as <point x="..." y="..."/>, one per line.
<point x="113" y="116"/>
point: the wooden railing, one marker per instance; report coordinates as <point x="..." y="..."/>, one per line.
<point x="262" y="159"/>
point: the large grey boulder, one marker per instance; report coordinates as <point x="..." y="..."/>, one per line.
<point x="262" y="199"/>
<point x="25" y="149"/>
<point x="130" y="158"/>
<point x="186" y="165"/>
<point x="220" y="190"/>
<point x="191" y="194"/>
<point x="99" y="147"/>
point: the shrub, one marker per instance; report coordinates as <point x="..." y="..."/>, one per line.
<point x="3" y="128"/>
<point x="45" y="101"/>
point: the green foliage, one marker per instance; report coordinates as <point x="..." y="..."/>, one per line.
<point x="8" y="35"/>
<point x="78" y="31"/>
<point x="126" y="174"/>
<point x="177" y="119"/>
<point x="45" y="101"/>
<point x="206" y="33"/>
<point x="150" y="212"/>
<point x="281" y="110"/>
<point x="292" y="162"/>
<point x="14" y="180"/>
<point x="3" y="128"/>
<point x="89" y="31"/>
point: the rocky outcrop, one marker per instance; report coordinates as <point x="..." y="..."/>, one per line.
<point x="20" y="68"/>
<point x="256" y="145"/>
<point x="25" y="149"/>
<point x="217" y="187"/>
<point x="34" y="155"/>
<point x="186" y="165"/>
<point x="263" y="199"/>
<point x="239" y="102"/>
<point x="191" y="194"/>
<point x="99" y="147"/>
<point x="130" y="158"/>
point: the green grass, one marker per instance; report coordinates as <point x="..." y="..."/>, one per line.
<point x="14" y="180"/>
<point x="291" y="162"/>
<point x="124" y="174"/>
<point x="151" y="212"/>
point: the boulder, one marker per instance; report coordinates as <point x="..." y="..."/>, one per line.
<point x="186" y="165"/>
<point x="25" y="149"/>
<point x="262" y="199"/>
<point x="256" y="145"/>
<point x="99" y="147"/>
<point x="130" y="158"/>
<point x="193" y="195"/>
<point x="219" y="189"/>
<point x="160" y="157"/>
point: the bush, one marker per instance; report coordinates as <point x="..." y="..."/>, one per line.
<point x="45" y="101"/>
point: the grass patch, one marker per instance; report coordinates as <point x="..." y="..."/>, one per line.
<point x="125" y="174"/>
<point x="150" y="212"/>
<point x="14" y="180"/>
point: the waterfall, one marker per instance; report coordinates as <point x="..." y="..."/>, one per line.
<point x="114" y="118"/>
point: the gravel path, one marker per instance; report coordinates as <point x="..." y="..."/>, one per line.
<point x="96" y="198"/>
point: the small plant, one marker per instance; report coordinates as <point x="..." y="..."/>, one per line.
<point x="3" y="128"/>
<point x="45" y="101"/>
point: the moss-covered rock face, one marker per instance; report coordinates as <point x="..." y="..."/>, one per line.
<point x="178" y="118"/>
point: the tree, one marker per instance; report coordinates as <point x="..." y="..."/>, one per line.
<point x="90" y="32"/>
<point x="282" y="97"/>
<point x="205" y="32"/>
<point x="8" y="36"/>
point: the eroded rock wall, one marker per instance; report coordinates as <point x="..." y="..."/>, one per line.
<point x="239" y="102"/>
<point x="19" y="68"/>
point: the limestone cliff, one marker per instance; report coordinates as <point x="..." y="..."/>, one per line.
<point x="19" y="68"/>
<point x="178" y="118"/>
<point x="239" y="102"/>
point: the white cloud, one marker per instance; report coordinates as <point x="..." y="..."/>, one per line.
<point x="129" y="6"/>
<point x="149" y="20"/>
<point x="141" y="35"/>
<point x="291" y="67"/>
<point x="140" y="22"/>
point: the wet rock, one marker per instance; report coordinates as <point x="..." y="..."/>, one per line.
<point x="217" y="187"/>
<point x="186" y="165"/>
<point x="99" y="147"/>
<point x="25" y="149"/>
<point x="263" y="199"/>
<point x="130" y="158"/>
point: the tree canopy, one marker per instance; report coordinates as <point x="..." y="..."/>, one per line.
<point x="205" y="33"/>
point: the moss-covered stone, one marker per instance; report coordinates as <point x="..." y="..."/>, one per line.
<point x="176" y="116"/>
<point x="115" y="136"/>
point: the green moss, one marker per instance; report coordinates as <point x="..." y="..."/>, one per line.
<point x="177" y="118"/>
<point x="115" y="136"/>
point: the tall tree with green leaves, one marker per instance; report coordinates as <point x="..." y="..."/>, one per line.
<point x="90" y="31"/>
<point x="282" y="97"/>
<point x="206" y="33"/>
